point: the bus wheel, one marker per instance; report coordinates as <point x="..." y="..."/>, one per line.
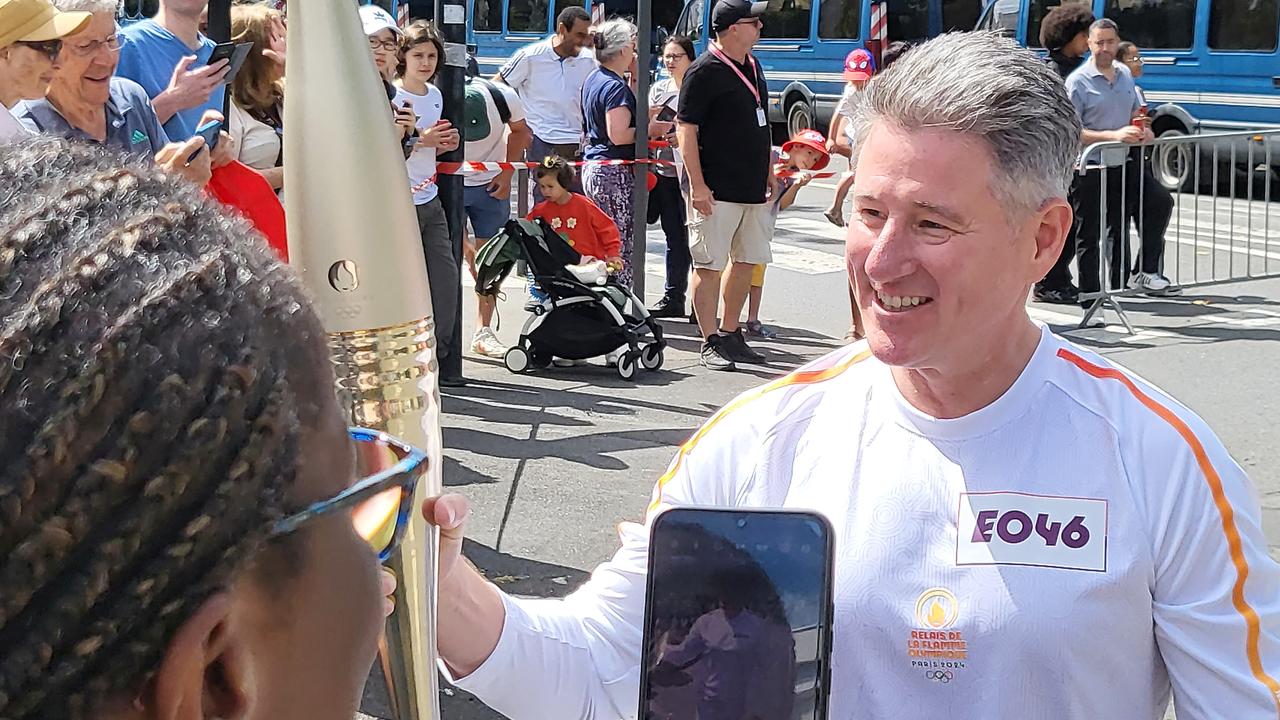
<point x="1174" y="164"/>
<point x="799" y="117"/>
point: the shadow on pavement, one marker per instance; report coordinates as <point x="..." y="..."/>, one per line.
<point x="577" y="396"/>
<point x="594" y="450"/>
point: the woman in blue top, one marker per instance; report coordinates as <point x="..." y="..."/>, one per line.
<point x="608" y="111"/>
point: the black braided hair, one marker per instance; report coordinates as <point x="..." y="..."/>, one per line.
<point x="157" y="366"/>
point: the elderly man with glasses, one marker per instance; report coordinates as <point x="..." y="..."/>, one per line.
<point x="31" y="34"/>
<point x="88" y="101"/>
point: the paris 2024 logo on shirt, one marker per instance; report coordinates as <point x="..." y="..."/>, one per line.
<point x="935" y="646"/>
<point x="1049" y="531"/>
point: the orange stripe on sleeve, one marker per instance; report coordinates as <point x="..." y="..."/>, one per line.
<point x="1253" y="627"/>
<point x="797" y="378"/>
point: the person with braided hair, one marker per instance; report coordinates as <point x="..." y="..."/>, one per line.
<point x="168" y="409"/>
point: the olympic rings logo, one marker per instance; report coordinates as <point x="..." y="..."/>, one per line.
<point x="942" y="676"/>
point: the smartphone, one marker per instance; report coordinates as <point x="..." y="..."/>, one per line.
<point x="211" y="132"/>
<point x="234" y="54"/>
<point x="738" y="615"/>
<point x="222" y="51"/>
<point x="666" y="114"/>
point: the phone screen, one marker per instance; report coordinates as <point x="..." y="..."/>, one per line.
<point x="222" y="51"/>
<point x="666" y="114"/>
<point x="737" y="616"/>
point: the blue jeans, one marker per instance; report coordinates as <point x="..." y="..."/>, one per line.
<point x="486" y="213"/>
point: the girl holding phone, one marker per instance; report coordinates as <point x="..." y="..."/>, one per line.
<point x="420" y="52"/>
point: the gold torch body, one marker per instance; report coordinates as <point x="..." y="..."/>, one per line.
<point x="353" y="237"/>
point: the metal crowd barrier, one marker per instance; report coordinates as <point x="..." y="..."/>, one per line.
<point x="1221" y="196"/>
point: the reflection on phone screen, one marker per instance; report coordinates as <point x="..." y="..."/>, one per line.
<point x="736" y="619"/>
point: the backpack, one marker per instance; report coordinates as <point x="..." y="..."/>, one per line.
<point x="476" y="111"/>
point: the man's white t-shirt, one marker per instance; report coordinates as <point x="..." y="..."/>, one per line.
<point x="493" y="147"/>
<point x="10" y="128"/>
<point x="421" y="163"/>
<point x="551" y="88"/>
<point x="1070" y="552"/>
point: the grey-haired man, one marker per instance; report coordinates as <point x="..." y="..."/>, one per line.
<point x="1022" y="529"/>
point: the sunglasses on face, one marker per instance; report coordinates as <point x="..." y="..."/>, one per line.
<point x="48" y="48"/>
<point x="751" y="21"/>
<point x="381" y="501"/>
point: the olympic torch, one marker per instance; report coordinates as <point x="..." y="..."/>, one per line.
<point x="353" y="236"/>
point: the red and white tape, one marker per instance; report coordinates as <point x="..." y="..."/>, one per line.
<point x="470" y="168"/>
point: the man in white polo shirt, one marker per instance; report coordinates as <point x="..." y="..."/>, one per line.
<point x="1022" y="528"/>
<point x="548" y="75"/>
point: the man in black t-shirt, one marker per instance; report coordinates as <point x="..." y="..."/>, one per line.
<point x="725" y="141"/>
<point x="1065" y="34"/>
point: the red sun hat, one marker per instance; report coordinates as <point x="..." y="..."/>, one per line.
<point x="859" y="66"/>
<point x="813" y="140"/>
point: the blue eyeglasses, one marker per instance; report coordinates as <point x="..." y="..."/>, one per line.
<point x="381" y="500"/>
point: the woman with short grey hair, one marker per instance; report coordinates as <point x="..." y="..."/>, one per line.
<point x="608" y="110"/>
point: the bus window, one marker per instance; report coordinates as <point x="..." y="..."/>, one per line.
<point x="527" y="16"/>
<point x="1243" y="24"/>
<point x="1036" y="10"/>
<point x="1155" y="24"/>
<point x="839" y="19"/>
<point x="1002" y="16"/>
<point x="690" y="23"/>
<point x="960" y="14"/>
<point x="908" y="20"/>
<point x="562" y="4"/>
<point x="487" y="16"/>
<point x="787" y="19"/>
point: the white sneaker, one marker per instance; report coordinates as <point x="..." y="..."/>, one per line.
<point x="1150" y="282"/>
<point x="566" y="362"/>
<point x="485" y="343"/>
<point x="611" y="359"/>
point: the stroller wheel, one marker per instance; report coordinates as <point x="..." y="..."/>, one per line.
<point x="516" y="359"/>
<point x="652" y="356"/>
<point x="628" y="366"/>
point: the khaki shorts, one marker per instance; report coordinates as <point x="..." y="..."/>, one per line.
<point x="735" y="231"/>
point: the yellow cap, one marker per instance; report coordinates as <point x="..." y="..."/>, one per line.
<point x="36" y="20"/>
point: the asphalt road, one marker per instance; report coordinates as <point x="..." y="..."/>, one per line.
<point x="553" y="461"/>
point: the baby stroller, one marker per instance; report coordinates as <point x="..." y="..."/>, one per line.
<point x="577" y="320"/>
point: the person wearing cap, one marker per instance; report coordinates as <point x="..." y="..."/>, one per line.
<point x="859" y="66"/>
<point x="88" y="101"/>
<point x="169" y="57"/>
<point x="802" y="156"/>
<point x="725" y="142"/>
<point x="31" y="33"/>
<point x="549" y="75"/>
<point x="384" y="45"/>
<point x="384" y="39"/>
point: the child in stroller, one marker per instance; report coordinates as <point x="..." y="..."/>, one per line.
<point x="579" y="312"/>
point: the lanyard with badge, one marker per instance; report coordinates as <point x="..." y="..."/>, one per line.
<point x="755" y="91"/>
